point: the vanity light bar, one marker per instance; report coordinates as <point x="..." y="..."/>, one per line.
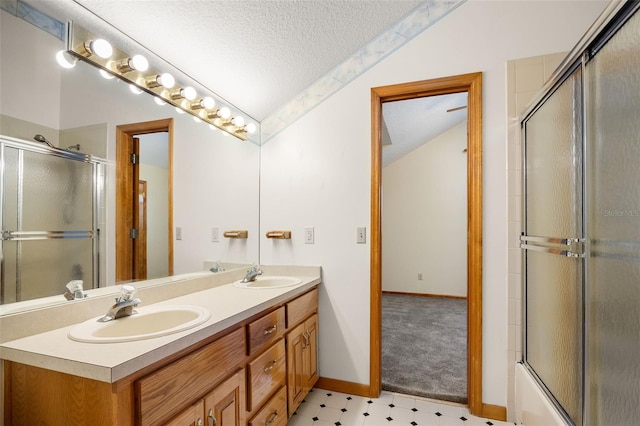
<point x="136" y="72"/>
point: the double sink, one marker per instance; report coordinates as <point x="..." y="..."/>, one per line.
<point x="155" y="321"/>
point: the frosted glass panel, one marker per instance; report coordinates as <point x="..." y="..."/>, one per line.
<point x="554" y="209"/>
<point x="613" y="205"/>
<point x="553" y="162"/>
<point x="45" y="266"/>
<point x="554" y="331"/>
<point x="63" y="186"/>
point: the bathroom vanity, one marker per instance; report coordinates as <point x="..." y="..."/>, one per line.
<point x="251" y="363"/>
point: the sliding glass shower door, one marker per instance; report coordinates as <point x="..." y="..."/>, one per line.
<point x="552" y="237"/>
<point x="581" y="237"/>
<point x="613" y="226"/>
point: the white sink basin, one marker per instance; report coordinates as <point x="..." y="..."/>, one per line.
<point x="269" y="281"/>
<point x="148" y="323"/>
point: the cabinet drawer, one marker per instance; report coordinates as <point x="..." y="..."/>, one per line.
<point x="302" y="307"/>
<point x="164" y="391"/>
<point x="266" y="373"/>
<point x="274" y="413"/>
<point x="265" y="330"/>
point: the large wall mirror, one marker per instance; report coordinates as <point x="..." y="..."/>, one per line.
<point x="208" y="181"/>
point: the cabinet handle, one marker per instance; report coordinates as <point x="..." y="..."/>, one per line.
<point x="270" y="329"/>
<point x="270" y="366"/>
<point x="199" y="422"/>
<point x="271" y="419"/>
<point x="211" y="418"/>
<point x="306" y="336"/>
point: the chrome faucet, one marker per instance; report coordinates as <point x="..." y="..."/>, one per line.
<point x="252" y="274"/>
<point x="124" y="305"/>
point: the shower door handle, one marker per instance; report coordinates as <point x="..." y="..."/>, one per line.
<point x="568" y="247"/>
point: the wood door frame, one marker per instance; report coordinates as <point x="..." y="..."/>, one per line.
<point x="124" y="136"/>
<point x="472" y="84"/>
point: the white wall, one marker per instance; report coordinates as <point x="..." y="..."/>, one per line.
<point x="424" y="218"/>
<point x="317" y="172"/>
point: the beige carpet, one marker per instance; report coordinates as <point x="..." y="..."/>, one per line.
<point x="424" y="346"/>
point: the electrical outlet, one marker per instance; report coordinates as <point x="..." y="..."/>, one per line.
<point x="308" y="235"/>
<point x="419" y="276"/>
<point x="178" y="233"/>
<point x="361" y="237"/>
<point x="215" y="234"/>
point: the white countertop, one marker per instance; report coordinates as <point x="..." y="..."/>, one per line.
<point x="110" y="362"/>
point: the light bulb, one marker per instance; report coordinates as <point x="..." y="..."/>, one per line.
<point x="65" y="59"/>
<point x="250" y="128"/>
<point x="106" y="75"/>
<point x="139" y="63"/>
<point x="238" y="121"/>
<point x="166" y="80"/>
<point x="197" y="120"/>
<point x="212" y="127"/>
<point x="189" y="93"/>
<point x="206" y="103"/>
<point x="159" y="101"/>
<point x="134" y="89"/>
<point x="100" y="47"/>
<point x="179" y="111"/>
<point x="224" y="112"/>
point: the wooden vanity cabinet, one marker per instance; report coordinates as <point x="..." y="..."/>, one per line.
<point x="255" y="373"/>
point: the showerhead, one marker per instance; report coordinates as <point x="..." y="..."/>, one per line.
<point x="42" y="139"/>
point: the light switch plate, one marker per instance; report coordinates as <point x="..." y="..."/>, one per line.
<point x="178" y="233"/>
<point x="309" y="235"/>
<point x="215" y="234"/>
<point x="361" y="237"/>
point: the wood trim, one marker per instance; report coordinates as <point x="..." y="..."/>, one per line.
<point x="124" y="134"/>
<point x="472" y="84"/>
<point x="441" y="296"/>
<point x="349" y="388"/>
<point x="495" y="412"/>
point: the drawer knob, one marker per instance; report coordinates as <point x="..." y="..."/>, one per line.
<point x="270" y="329"/>
<point x="270" y="366"/>
<point x="271" y="418"/>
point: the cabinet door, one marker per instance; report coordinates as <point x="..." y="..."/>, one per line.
<point x="295" y="367"/>
<point x="311" y="352"/>
<point x="224" y="406"/>
<point x="192" y="416"/>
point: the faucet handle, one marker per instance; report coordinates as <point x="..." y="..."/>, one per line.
<point x="126" y="292"/>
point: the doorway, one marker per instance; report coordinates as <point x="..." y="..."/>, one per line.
<point x="144" y="200"/>
<point x="472" y="85"/>
<point x="424" y="247"/>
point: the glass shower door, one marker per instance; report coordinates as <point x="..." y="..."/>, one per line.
<point x="553" y="245"/>
<point x="47" y="224"/>
<point x="613" y="228"/>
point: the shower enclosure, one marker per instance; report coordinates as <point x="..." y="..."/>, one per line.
<point x="50" y="203"/>
<point x="581" y="236"/>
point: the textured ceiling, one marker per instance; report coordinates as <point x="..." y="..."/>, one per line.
<point x="256" y="54"/>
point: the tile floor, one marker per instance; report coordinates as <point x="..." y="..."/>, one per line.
<point x="326" y="408"/>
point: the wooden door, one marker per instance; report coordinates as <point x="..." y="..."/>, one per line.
<point x="311" y="352"/>
<point x="224" y="406"/>
<point x="295" y="367"/>
<point x="191" y="416"/>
